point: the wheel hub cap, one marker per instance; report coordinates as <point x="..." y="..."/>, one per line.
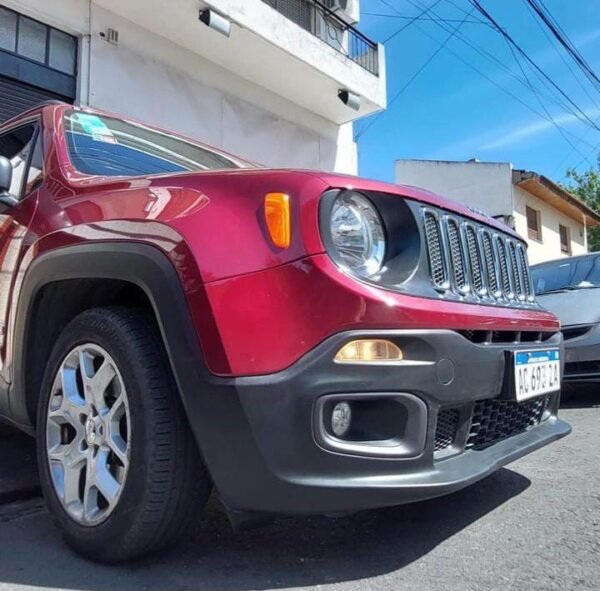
<point x="88" y="434"/>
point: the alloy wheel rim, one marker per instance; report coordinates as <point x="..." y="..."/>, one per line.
<point x="88" y="434"/>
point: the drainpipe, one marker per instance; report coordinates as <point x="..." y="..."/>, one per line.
<point x="85" y="62"/>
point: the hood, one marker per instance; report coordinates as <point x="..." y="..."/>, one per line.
<point x="336" y="180"/>
<point x="573" y="307"/>
<point x="327" y="179"/>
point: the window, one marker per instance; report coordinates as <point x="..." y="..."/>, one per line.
<point x="16" y="145"/>
<point x="534" y="223"/>
<point x="567" y="274"/>
<point x="565" y="239"/>
<point x="100" y="145"/>
<point x="37" y="42"/>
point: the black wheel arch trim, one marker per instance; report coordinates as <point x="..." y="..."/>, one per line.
<point x="142" y="265"/>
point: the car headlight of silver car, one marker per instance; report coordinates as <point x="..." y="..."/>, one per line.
<point x="357" y="234"/>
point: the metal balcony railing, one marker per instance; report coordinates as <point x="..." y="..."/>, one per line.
<point x="325" y="24"/>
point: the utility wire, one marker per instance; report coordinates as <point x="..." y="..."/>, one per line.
<point x="594" y="150"/>
<point x="412" y="78"/>
<point x="556" y="30"/>
<point x="560" y="55"/>
<point x="487" y="15"/>
<point x="484" y="53"/>
<point x="490" y="56"/>
<point x="548" y="114"/>
<point x="425" y="18"/>
<point x="412" y="20"/>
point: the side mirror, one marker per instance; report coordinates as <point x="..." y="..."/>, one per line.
<point x="6" y="172"/>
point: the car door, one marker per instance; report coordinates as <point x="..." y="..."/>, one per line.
<point x="21" y="144"/>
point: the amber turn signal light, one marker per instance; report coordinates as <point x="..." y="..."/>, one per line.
<point x="369" y="351"/>
<point x="277" y="215"/>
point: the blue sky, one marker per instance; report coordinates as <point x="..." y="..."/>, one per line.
<point x="450" y="112"/>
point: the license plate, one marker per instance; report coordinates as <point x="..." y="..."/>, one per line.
<point x="536" y="373"/>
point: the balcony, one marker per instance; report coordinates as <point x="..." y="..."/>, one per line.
<point x="325" y="24"/>
<point x="297" y="49"/>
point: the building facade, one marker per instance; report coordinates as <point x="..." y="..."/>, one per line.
<point x="552" y="221"/>
<point x="270" y="89"/>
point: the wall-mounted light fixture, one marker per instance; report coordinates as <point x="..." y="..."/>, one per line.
<point x="350" y="99"/>
<point x="216" y="22"/>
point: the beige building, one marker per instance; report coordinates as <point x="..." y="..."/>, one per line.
<point x="551" y="220"/>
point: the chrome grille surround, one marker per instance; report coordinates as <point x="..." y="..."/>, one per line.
<point x="476" y="262"/>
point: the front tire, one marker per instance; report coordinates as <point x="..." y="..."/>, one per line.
<point x="118" y="464"/>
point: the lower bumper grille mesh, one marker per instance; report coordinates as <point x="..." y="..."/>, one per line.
<point x="494" y="420"/>
<point x="489" y="421"/>
<point x="445" y="432"/>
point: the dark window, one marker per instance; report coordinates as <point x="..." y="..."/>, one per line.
<point x="37" y="42"/>
<point x="534" y="223"/>
<point x="565" y="239"/>
<point x="17" y="145"/>
<point x="31" y="41"/>
<point x="8" y="29"/>
<point x="100" y="145"/>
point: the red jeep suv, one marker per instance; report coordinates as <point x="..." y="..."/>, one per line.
<point x="175" y="319"/>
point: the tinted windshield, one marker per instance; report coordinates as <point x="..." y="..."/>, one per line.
<point x="567" y="274"/>
<point x="100" y="145"/>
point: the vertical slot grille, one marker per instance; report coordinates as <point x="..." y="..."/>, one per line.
<point x="492" y="271"/>
<point x="456" y="254"/>
<point x="518" y="280"/>
<point x="473" y="261"/>
<point x="525" y="271"/>
<point x="503" y="267"/>
<point x="437" y="267"/>
<point x="474" y="258"/>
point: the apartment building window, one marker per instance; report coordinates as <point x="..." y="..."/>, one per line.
<point x="534" y="223"/>
<point x="565" y="239"/>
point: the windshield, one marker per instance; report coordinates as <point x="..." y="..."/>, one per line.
<point x="566" y="275"/>
<point x="101" y="145"/>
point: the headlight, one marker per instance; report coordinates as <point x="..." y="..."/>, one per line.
<point x="357" y="234"/>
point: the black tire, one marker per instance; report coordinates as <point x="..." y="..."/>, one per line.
<point x="167" y="483"/>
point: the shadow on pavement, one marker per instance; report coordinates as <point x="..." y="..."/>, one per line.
<point x="18" y="468"/>
<point x="581" y="396"/>
<point x="292" y="552"/>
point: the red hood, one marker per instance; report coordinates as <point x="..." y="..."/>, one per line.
<point x="330" y="180"/>
<point x="347" y="181"/>
<point x="201" y="205"/>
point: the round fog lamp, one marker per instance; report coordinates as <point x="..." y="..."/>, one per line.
<point x="341" y="417"/>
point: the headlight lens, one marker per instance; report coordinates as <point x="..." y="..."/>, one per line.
<point x="357" y="234"/>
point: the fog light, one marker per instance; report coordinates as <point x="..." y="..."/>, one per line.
<point x="341" y="417"/>
<point x="369" y="351"/>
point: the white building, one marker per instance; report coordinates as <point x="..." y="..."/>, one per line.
<point x="552" y="221"/>
<point x="269" y="91"/>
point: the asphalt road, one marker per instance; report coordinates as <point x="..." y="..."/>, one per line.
<point x="534" y="525"/>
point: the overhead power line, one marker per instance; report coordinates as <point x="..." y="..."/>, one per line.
<point x="544" y="108"/>
<point x="524" y="81"/>
<point x="582" y="114"/>
<point x="412" y="78"/>
<point x="411" y="21"/>
<point x="426" y="18"/>
<point x="561" y="56"/>
<point x="547" y="18"/>
<point x="483" y="52"/>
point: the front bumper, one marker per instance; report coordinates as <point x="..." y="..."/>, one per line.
<point x="582" y="357"/>
<point x="261" y="443"/>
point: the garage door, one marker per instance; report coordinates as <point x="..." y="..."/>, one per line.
<point x="37" y="63"/>
<point x="16" y="97"/>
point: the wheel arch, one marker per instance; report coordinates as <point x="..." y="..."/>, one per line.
<point x="100" y="274"/>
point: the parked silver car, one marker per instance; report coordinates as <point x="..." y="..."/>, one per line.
<point x="570" y="288"/>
